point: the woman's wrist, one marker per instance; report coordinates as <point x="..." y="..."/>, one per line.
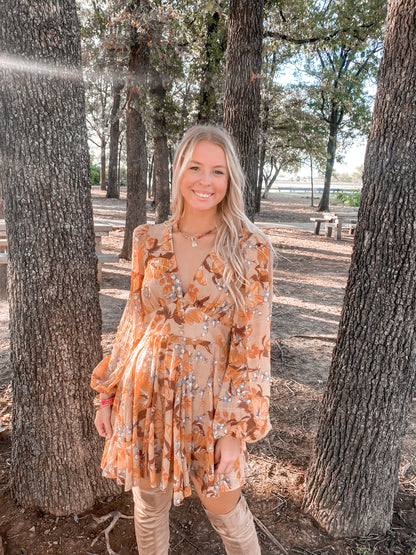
<point x="103" y="401"/>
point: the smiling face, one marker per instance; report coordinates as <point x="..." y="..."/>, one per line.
<point x="204" y="181"/>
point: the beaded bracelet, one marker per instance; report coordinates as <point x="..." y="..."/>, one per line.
<point x="99" y="403"/>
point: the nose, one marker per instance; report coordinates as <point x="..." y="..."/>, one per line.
<point x="205" y="178"/>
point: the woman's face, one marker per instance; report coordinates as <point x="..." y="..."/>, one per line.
<point x="204" y="181"/>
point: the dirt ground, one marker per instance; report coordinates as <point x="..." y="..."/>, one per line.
<point x="310" y="280"/>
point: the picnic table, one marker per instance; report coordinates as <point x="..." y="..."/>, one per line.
<point x="336" y="221"/>
<point x="101" y="229"/>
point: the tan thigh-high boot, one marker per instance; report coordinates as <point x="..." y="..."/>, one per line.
<point x="237" y="530"/>
<point x="151" y="519"/>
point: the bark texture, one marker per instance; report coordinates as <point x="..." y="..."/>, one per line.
<point x="242" y="88"/>
<point x="161" y="153"/>
<point x="113" y="186"/>
<point x="215" y="45"/>
<point x="136" y="141"/>
<point x="55" y="317"/>
<point x="354" y="475"/>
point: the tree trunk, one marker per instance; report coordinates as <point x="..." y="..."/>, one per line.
<point x="260" y="177"/>
<point x="354" y="475"/>
<point x="161" y="154"/>
<point x="3" y="267"/>
<point x="331" y="150"/>
<point x="113" y="187"/>
<point x="102" y="166"/>
<point x="150" y="191"/>
<point x="311" y="166"/>
<point x="272" y="179"/>
<point x="212" y="55"/>
<point x="55" y="317"/>
<point x="136" y="142"/>
<point x="242" y="88"/>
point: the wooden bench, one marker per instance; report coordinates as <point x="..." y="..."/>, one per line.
<point x="346" y="221"/>
<point x="321" y="220"/>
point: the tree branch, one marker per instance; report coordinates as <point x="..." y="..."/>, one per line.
<point x="312" y="40"/>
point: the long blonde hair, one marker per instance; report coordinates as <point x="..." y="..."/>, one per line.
<point x="231" y="217"/>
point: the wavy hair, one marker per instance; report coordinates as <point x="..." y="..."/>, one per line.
<point x="231" y="219"/>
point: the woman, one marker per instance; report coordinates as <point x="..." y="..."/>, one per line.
<point x="187" y="383"/>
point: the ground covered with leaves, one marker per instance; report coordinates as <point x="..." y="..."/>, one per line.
<point x="310" y="280"/>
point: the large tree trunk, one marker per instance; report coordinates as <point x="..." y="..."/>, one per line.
<point x="331" y="149"/>
<point x="3" y="267"/>
<point x="136" y="142"/>
<point x="161" y="153"/>
<point x="55" y="317"/>
<point x="212" y="56"/>
<point x="354" y="475"/>
<point x="242" y="88"/>
<point x="113" y="187"/>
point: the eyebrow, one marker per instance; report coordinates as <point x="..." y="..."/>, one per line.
<point x="217" y="166"/>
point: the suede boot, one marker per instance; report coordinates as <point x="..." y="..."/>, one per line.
<point x="237" y="530"/>
<point x="151" y="520"/>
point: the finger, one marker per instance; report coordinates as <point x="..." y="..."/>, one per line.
<point x="220" y="469"/>
<point x="108" y="431"/>
<point x="217" y="455"/>
<point x="100" y="429"/>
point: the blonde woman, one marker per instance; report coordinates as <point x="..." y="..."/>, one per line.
<point x="187" y="383"/>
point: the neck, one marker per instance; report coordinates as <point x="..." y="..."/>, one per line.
<point x="197" y="223"/>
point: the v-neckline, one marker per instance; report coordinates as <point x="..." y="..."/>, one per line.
<point x="200" y="267"/>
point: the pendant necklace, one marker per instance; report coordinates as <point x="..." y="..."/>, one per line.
<point x="195" y="238"/>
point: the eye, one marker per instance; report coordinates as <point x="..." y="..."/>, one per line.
<point x="194" y="168"/>
<point x="219" y="172"/>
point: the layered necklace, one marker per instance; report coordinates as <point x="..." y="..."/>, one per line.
<point x="195" y="238"/>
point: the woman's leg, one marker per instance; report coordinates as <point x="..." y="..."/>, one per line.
<point x="151" y="518"/>
<point x="232" y="519"/>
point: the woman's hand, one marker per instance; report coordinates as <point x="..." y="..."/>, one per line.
<point x="103" y="422"/>
<point x="226" y="452"/>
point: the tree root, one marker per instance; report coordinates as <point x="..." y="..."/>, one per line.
<point x="116" y="515"/>
<point x="266" y="531"/>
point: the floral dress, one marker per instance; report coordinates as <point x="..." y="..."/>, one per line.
<point x="187" y="367"/>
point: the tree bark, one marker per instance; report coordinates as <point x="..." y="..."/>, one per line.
<point x="113" y="187"/>
<point x="3" y="267"/>
<point x="263" y="148"/>
<point x="331" y="149"/>
<point x="55" y="316"/>
<point x="102" y="164"/>
<point x="136" y="142"/>
<point x="213" y="54"/>
<point x="354" y="475"/>
<point x="161" y="154"/>
<point x="242" y="88"/>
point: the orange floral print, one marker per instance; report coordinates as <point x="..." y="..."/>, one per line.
<point x="187" y="368"/>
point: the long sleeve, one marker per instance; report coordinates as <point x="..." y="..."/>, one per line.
<point x="243" y="404"/>
<point x="107" y="374"/>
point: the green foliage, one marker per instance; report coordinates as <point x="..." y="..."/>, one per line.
<point x="95" y="174"/>
<point x="330" y="49"/>
<point x="349" y="199"/>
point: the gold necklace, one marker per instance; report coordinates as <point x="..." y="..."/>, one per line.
<point x="194" y="238"/>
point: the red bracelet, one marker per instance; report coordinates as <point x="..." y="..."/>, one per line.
<point x="98" y="403"/>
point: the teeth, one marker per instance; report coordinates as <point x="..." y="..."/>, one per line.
<point x="202" y="195"/>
